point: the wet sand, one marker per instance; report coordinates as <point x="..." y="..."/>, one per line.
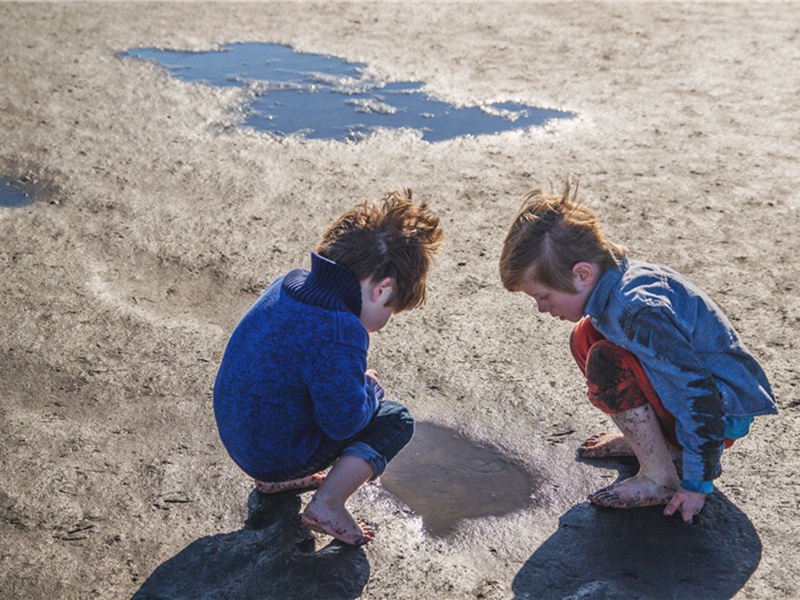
<point x="158" y="221"/>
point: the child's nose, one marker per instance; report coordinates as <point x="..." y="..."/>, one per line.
<point x="543" y="307"/>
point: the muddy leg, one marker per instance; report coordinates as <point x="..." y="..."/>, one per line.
<point x="657" y="479"/>
<point x="311" y="482"/>
<point x="326" y="512"/>
<point x="605" y="445"/>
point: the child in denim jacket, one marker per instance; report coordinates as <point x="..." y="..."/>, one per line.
<point x="658" y="355"/>
<point x="293" y="394"/>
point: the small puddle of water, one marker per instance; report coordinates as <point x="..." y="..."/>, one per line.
<point x="320" y="96"/>
<point x="14" y="193"/>
<point x="444" y="477"/>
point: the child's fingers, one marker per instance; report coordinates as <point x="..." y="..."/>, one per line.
<point x="673" y="505"/>
<point x="687" y="513"/>
<point x="687" y="506"/>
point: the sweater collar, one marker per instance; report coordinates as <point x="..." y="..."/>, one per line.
<point x="602" y="291"/>
<point x="328" y="285"/>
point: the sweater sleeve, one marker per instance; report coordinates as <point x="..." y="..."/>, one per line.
<point x="686" y="389"/>
<point x="344" y="400"/>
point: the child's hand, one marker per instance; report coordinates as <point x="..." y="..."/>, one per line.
<point x="372" y="373"/>
<point x="689" y="504"/>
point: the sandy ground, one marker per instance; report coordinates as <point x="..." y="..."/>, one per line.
<point x="159" y="221"/>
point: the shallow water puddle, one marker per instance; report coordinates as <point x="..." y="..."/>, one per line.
<point x="444" y="477"/>
<point x="320" y="96"/>
<point x="13" y="193"/>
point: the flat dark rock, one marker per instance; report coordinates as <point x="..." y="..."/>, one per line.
<point x="639" y="553"/>
<point x="272" y="557"/>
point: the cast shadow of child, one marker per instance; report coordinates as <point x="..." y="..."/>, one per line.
<point x="639" y="553"/>
<point x="271" y="557"/>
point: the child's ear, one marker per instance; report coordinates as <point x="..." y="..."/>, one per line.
<point x="383" y="288"/>
<point x="585" y="273"/>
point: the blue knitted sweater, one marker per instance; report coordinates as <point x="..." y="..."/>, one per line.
<point x="292" y="375"/>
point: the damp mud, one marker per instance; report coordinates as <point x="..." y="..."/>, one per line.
<point x="169" y="215"/>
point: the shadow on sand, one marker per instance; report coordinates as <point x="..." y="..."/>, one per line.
<point x="639" y="553"/>
<point x="272" y="557"/>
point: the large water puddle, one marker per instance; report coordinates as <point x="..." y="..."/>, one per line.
<point x="319" y="96"/>
<point x="444" y="477"/>
<point x="14" y="193"/>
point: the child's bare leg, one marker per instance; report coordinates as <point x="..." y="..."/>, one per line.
<point x="657" y="480"/>
<point x="326" y="512"/>
<point x="605" y="445"/>
<point x="304" y="483"/>
<point x="610" y="445"/>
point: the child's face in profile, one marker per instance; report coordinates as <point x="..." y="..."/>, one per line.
<point x="561" y="305"/>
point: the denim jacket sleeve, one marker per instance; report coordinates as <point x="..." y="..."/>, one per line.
<point x="687" y="389"/>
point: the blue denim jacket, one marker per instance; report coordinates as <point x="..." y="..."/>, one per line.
<point x="701" y="370"/>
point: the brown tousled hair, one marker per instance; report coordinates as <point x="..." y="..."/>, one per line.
<point x="552" y="233"/>
<point x="392" y="237"/>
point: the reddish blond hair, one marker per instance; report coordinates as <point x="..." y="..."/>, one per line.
<point x="552" y="233"/>
<point x="392" y="237"/>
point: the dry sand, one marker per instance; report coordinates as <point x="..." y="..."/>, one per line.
<point x="159" y="221"/>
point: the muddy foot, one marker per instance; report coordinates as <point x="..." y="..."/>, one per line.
<point x="311" y="482"/>
<point x="605" y="445"/>
<point x="337" y="522"/>
<point x="637" y="491"/>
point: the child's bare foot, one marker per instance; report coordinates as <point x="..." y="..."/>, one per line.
<point x="605" y="445"/>
<point x="636" y="491"/>
<point x="337" y="522"/>
<point x="311" y="482"/>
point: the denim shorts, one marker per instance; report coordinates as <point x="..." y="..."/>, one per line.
<point x="390" y="429"/>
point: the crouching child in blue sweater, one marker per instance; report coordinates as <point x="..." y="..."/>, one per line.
<point x="293" y="395"/>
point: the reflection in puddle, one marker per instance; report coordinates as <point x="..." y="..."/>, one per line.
<point x="322" y="96"/>
<point x="13" y="193"/>
<point x="444" y="477"/>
